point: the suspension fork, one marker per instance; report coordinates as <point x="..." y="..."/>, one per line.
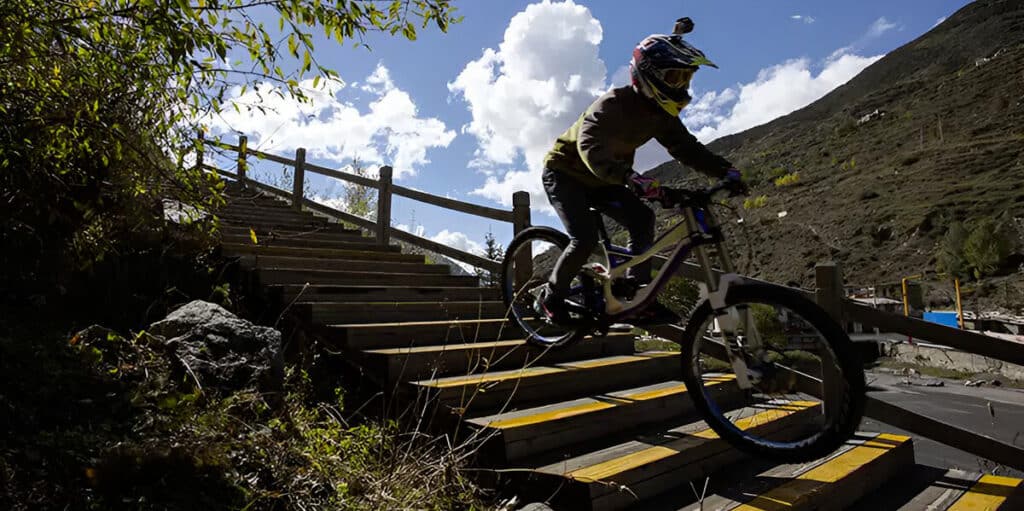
<point x="730" y="320"/>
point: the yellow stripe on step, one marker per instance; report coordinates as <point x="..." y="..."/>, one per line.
<point x="791" y="494"/>
<point x="988" y="494"/>
<point x="594" y="406"/>
<point x="649" y="455"/>
<point x="539" y="371"/>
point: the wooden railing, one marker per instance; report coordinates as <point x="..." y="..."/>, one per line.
<point x="519" y="216"/>
<point x="829" y="294"/>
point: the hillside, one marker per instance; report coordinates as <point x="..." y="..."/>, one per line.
<point x="931" y="134"/>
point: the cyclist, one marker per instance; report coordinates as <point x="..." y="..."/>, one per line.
<point x="591" y="163"/>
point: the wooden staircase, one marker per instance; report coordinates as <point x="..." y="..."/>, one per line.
<point x="596" y="425"/>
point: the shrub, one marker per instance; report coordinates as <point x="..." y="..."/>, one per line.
<point x="755" y="202"/>
<point x="979" y="251"/>
<point x="788" y="180"/>
<point x="950" y="258"/>
<point x="988" y="247"/>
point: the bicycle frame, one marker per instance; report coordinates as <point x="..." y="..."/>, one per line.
<point x="697" y="230"/>
<point x="695" y="233"/>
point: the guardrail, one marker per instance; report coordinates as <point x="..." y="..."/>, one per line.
<point x="519" y="216"/>
<point x="829" y="294"/>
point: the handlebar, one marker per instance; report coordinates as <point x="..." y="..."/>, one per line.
<point x="681" y="197"/>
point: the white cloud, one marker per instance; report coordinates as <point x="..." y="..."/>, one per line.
<point x="388" y="131"/>
<point x="804" y="19"/>
<point x="454" y="239"/>
<point x="777" y="91"/>
<point x="939" y="21"/>
<point x="547" y="70"/>
<point x="879" y="27"/>
<point x="526" y="92"/>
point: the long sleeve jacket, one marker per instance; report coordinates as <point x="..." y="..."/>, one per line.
<point x="599" y="148"/>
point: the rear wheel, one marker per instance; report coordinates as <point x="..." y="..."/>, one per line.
<point x="804" y="394"/>
<point x="525" y="270"/>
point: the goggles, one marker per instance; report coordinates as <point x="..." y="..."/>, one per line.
<point x="678" y="78"/>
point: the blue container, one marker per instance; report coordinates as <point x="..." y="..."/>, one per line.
<point x="946" y="318"/>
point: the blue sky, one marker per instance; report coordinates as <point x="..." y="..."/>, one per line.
<point x="469" y="114"/>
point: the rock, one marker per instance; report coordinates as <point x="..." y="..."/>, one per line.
<point x="536" y="506"/>
<point x="221" y="350"/>
<point x="868" y="195"/>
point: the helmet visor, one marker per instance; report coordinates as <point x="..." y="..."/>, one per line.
<point x="678" y="78"/>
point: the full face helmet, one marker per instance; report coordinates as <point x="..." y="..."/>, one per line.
<point x="662" y="67"/>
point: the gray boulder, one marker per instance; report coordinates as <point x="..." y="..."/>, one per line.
<point x="221" y="350"/>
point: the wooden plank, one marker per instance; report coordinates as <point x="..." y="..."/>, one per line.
<point x="273" y="157"/>
<point x="953" y="436"/>
<point x="300" y="178"/>
<point x="970" y="342"/>
<point x="249" y="249"/>
<point x="344" y="176"/>
<point x="661" y="460"/>
<point x="384" y="207"/>
<point x="450" y="359"/>
<point x="991" y="493"/>
<point x="833" y="483"/>
<point x="445" y="250"/>
<point x="458" y="255"/>
<point x="531" y="385"/>
<point x="363" y="293"/>
<point x="454" y="205"/>
<point x="553" y="428"/>
<point x="341" y="216"/>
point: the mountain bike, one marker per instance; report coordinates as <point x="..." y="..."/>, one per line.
<point x="768" y="369"/>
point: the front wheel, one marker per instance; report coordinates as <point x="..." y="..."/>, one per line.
<point x="773" y="374"/>
<point x="525" y="270"/>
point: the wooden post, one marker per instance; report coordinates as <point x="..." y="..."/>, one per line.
<point x="384" y="207"/>
<point x="829" y="295"/>
<point x="300" y="176"/>
<point x="520" y="221"/>
<point x="959" y="304"/>
<point x="829" y="289"/>
<point x="201" y="138"/>
<point x="243" y="144"/>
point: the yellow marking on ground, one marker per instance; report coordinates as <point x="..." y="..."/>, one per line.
<point x="493" y="377"/>
<point x="530" y="372"/>
<point x="609" y="468"/>
<point x="590" y="364"/>
<point x="447" y="347"/>
<point x="791" y="494"/>
<point x="583" y="408"/>
<point x="988" y="494"/>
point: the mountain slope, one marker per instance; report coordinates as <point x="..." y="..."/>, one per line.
<point x="931" y="134"/>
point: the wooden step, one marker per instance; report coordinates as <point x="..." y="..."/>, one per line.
<point x="397" y="293"/>
<point x="522" y="433"/>
<point x="340" y="244"/>
<point x="375" y="254"/>
<point x="313" y="263"/>
<point x="399" y="364"/>
<point x="268" y="216"/>
<point x="351" y="244"/>
<point x="328" y="231"/>
<point x="624" y="474"/>
<point x="835" y="482"/>
<point x="496" y="390"/>
<point x="259" y="206"/>
<point x="937" y="489"/>
<point x="296" y="276"/>
<point x="375" y="312"/>
<point x="362" y="336"/>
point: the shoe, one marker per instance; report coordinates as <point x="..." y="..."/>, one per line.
<point x="656" y="314"/>
<point x="553" y="308"/>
